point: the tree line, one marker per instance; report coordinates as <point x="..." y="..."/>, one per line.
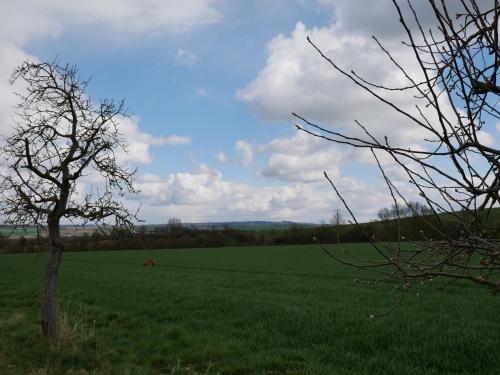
<point x="174" y="235"/>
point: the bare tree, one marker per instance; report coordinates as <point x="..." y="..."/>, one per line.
<point x="457" y="173"/>
<point x="59" y="136"/>
<point x="174" y="224"/>
<point x="409" y="209"/>
<point x="337" y="219"/>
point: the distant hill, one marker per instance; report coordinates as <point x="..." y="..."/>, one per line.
<point x="244" y="225"/>
<point x="77" y="230"/>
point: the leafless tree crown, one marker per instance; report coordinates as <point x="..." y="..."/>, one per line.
<point x="59" y="136"/>
<point x="457" y="173"/>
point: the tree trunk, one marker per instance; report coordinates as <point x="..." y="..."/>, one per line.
<point x="337" y="220"/>
<point x="50" y="318"/>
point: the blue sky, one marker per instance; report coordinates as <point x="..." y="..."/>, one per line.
<point x="211" y="85"/>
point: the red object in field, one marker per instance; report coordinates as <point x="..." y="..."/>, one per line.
<point x="150" y="262"/>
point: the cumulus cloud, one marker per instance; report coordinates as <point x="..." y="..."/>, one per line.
<point x="153" y="15"/>
<point x="301" y="158"/>
<point x="222" y="157"/>
<point x="379" y="18"/>
<point x="206" y="195"/>
<point x="139" y="142"/>
<point x="296" y="79"/>
<point x="21" y="21"/>
<point x="10" y="58"/>
<point x="185" y="58"/>
<point x="245" y="152"/>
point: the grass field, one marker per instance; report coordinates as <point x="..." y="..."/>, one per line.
<point x="260" y="310"/>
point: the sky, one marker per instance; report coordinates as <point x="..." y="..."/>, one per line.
<point x="211" y="85"/>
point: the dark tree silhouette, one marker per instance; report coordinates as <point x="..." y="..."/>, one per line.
<point x="337" y="219"/>
<point x="409" y="209"/>
<point x="59" y="135"/>
<point x="174" y="225"/>
<point x="457" y="174"/>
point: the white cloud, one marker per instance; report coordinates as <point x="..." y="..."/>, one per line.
<point x="485" y="138"/>
<point x="185" y="58"/>
<point x="201" y="92"/>
<point x="245" y="152"/>
<point x="379" y="18"/>
<point x="10" y="57"/>
<point x="205" y="195"/>
<point x="301" y="158"/>
<point x="22" y="21"/>
<point x="174" y="140"/>
<point x="222" y="157"/>
<point x="296" y="79"/>
<point x="139" y="142"/>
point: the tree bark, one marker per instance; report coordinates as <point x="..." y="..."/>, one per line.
<point x="50" y="313"/>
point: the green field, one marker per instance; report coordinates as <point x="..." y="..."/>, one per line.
<point x="260" y="310"/>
